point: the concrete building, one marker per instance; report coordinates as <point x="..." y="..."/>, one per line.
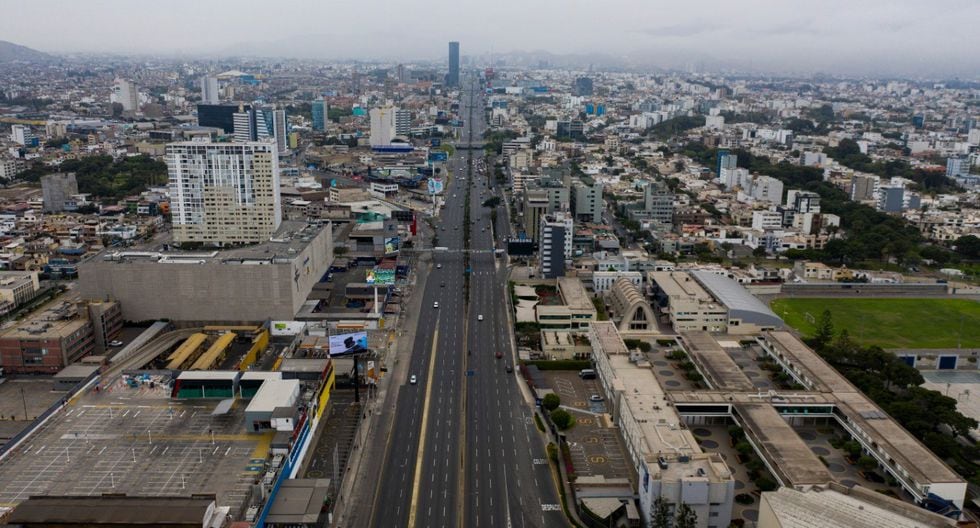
<point x="116" y="510"/>
<point x="765" y="220"/>
<point x="586" y="202"/>
<point x="23" y="135"/>
<point x="575" y="312"/>
<point x="583" y="87"/>
<point x="10" y="168"/>
<point x="837" y="506"/>
<point x="803" y="201"/>
<point x="382" y="125"/>
<point x="602" y="281"/>
<point x="957" y="166"/>
<point x="209" y="90"/>
<point x="245" y="127"/>
<point x="58" y="190"/>
<point x="541" y="197"/>
<point x="403" y="122"/>
<point x="269" y="280"/>
<point x="864" y="187"/>
<point x="687" y="306"/>
<point x="220" y="116"/>
<point x="629" y="307"/>
<point x="555" y="245"/>
<point x="746" y="313"/>
<point x="223" y="193"/>
<point x="16" y="288"/>
<point x="766" y="189"/>
<point x="658" y="204"/>
<point x="299" y="504"/>
<point x="668" y="461"/>
<point x="125" y="93"/>
<point x="52" y="339"/>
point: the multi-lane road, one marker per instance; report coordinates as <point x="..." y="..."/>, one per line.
<point x="463" y="449"/>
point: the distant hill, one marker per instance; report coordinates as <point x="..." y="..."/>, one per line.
<point x="15" y="52"/>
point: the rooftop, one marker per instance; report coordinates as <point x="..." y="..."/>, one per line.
<point x="298" y="501"/>
<point x="740" y="303"/>
<point x="574" y="294"/>
<point x="840" y="507"/>
<point x="113" y="509"/>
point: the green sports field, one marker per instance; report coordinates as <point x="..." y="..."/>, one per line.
<point x="890" y="323"/>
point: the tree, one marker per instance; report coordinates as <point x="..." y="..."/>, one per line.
<point x="968" y="246"/>
<point x="867" y="463"/>
<point x="551" y="401"/>
<point x="491" y="202"/>
<point x="117" y="110"/>
<point x="825" y="330"/>
<point x="562" y="419"/>
<point x="339" y="251"/>
<point x="759" y="252"/>
<point x="685" y="517"/>
<point x="660" y="514"/>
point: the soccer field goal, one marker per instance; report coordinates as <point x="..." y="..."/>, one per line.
<point x="810" y="318"/>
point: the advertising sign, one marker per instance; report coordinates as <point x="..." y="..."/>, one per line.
<point x="380" y="277"/>
<point x="347" y="344"/>
<point x="438" y="155"/>
<point x="391" y="245"/>
<point x="287" y="328"/>
<point x="435" y="186"/>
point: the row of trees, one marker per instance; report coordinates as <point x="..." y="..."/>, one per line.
<point x="848" y="153"/>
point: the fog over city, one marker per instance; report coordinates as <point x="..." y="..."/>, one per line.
<point x="871" y="37"/>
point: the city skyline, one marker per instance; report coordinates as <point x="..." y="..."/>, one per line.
<point x="873" y="38"/>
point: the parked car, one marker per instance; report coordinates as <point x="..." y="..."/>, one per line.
<point x="595" y="398"/>
<point x="116" y="343"/>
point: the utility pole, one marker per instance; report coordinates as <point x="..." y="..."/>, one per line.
<point x="24" y="399"/>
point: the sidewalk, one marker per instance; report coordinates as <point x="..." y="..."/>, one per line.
<point x="356" y="497"/>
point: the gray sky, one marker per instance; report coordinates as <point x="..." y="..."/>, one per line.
<point x="852" y="36"/>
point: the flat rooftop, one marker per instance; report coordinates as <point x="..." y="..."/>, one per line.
<point x="75" y="510"/>
<point x="574" y="294"/>
<point x="721" y="369"/>
<point x="840" y="507"/>
<point x="791" y="457"/>
<point x="290" y="239"/>
<point x="820" y="375"/>
<point x="299" y="501"/>
<point x="680" y="284"/>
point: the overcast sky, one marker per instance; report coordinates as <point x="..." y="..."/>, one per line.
<point x="852" y="36"/>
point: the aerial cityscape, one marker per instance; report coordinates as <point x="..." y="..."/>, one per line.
<point x="490" y="266"/>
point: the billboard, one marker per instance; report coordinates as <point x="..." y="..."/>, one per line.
<point x="435" y="186"/>
<point x="347" y="344"/>
<point x="435" y="142"/>
<point x="391" y="245"/>
<point x="438" y="155"/>
<point x="287" y="328"/>
<point x="380" y="277"/>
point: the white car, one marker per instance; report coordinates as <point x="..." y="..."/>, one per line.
<point x="413" y="380"/>
<point x="435" y="304"/>
<point x="116" y="343"/>
<point x="479" y="317"/>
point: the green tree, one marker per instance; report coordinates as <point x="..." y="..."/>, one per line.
<point x="562" y="419"/>
<point x="825" y="330"/>
<point x="867" y="463"/>
<point x="491" y="202"/>
<point x="968" y="246"/>
<point x="660" y="514"/>
<point x="685" y="517"/>
<point x="551" y="401"/>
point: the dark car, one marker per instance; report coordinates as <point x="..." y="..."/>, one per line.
<point x="508" y="368"/>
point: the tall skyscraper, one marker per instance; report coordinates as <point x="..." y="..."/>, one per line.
<point x="209" y="90"/>
<point x="583" y="86"/>
<point x="223" y="193"/>
<point x="279" y="130"/>
<point x="403" y="122"/>
<point x="219" y="116"/>
<point x="555" y="244"/>
<point x="126" y="94"/>
<point x="382" y="125"/>
<point x="453" y="78"/>
<point x="245" y="125"/>
<point x="321" y="114"/>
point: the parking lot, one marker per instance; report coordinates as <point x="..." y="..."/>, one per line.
<point x="594" y="443"/>
<point x="138" y="442"/>
<point x="22" y="400"/>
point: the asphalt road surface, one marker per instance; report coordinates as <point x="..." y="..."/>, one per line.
<point x="463" y="450"/>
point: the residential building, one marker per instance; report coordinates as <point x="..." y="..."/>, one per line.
<point x="403" y="122"/>
<point x="452" y="80"/>
<point x="209" y="90"/>
<point x="957" y="167"/>
<point x="726" y="160"/>
<point x="658" y="204"/>
<point x="23" y="135"/>
<point x="17" y="288"/>
<point x="668" y="461"/>
<point x="125" y="93"/>
<point x="864" y="187"/>
<point x="766" y="189"/>
<point x="803" y="201"/>
<point x="555" y="245"/>
<point x="382" y="125"/>
<point x="321" y="112"/>
<point x="245" y="127"/>
<point x="10" y="168"/>
<point x="223" y="193"/>
<point x="765" y="220"/>
<point x="58" y="190"/>
<point x="586" y="202"/>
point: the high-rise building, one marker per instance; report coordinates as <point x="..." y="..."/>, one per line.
<point x="658" y="202"/>
<point x="726" y="160"/>
<point x="555" y="245"/>
<point x="766" y="189"/>
<point x="209" y="90"/>
<point x="583" y="86"/>
<point x="586" y="202"/>
<point x="223" y="193"/>
<point x="57" y="190"/>
<point x="403" y="122"/>
<point x="23" y="135"/>
<point x="957" y="166"/>
<point x="126" y="94"/>
<point x="219" y="115"/>
<point x="280" y="130"/>
<point x="864" y="187"/>
<point x="245" y="125"/>
<point x="321" y="113"/>
<point x="382" y="125"/>
<point x="452" y="79"/>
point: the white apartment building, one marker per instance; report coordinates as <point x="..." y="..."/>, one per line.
<point x="224" y="193"/>
<point x="126" y="94"/>
<point x="602" y="281"/>
<point x="764" y="220"/>
<point x="766" y="189"/>
<point x="382" y="125"/>
<point x="209" y="90"/>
